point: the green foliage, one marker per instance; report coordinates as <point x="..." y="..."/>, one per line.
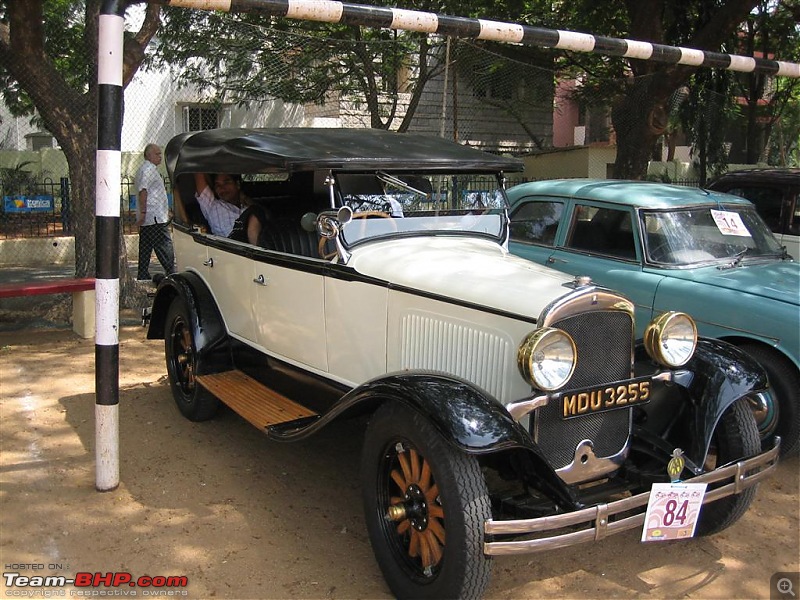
<point x="784" y="144"/>
<point x="706" y="116"/>
<point x="64" y="45"/>
<point x="769" y="103"/>
<point x="15" y="181"/>
<point x="238" y="58"/>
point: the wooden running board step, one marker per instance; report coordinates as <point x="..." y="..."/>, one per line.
<point x="252" y="400"/>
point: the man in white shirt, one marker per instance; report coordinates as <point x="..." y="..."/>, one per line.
<point x="153" y="215"/>
<point x="222" y="205"/>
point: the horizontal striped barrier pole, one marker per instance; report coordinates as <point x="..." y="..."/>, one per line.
<point x="329" y="11"/>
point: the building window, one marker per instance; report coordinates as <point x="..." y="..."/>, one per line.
<point x="497" y="84"/>
<point x="200" y="118"/>
<point x="38" y="141"/>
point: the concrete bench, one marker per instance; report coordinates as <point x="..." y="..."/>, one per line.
<point x="83" y="299"/>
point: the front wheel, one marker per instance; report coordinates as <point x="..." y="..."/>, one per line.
<point x="735" y="437"/>
<point x="785" y="413"/>
<point x="425" y="504"/>
<point x="193" y="400"/>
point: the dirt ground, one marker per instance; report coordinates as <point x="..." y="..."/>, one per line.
<point x="241" y="516"/>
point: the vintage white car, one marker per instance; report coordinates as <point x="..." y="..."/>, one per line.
<point x="511" y="410"/>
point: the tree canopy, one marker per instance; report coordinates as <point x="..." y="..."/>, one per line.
<point x="48" y="61"/>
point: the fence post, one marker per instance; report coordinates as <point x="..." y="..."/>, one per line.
<point x="66" y="224"/>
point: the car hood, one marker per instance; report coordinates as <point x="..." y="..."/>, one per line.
<point x="776" y="280"/>
<point x="470" y="270"/>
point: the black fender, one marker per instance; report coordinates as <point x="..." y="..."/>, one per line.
<point x="212" y="343"/>
<point x="717" y="375"/>
<point x="468" y="417"/>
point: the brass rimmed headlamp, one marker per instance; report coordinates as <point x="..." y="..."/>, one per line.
<point x="546" y="358"/>
<point x="670" y="339"/>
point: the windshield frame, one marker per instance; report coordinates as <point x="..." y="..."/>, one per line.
<point x="414" y="206"/>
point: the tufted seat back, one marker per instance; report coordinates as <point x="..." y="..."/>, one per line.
<point x="286" y="235"/>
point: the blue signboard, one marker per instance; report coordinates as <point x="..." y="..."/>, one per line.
<point x="25" y="204"/>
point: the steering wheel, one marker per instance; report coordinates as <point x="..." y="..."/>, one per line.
<point x="660" y="252"/>
<point x="359" y="215"/>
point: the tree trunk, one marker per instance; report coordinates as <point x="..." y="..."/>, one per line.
<point x="79" y="151"/>
<point x="754" y="138"/>
<point x="639" y="119"/>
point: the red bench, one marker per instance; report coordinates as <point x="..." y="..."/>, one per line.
<point x="83" y="299"/>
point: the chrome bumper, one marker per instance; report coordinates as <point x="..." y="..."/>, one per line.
<point x="597" y="521"/>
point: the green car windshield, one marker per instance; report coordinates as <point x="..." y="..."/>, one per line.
<point x="390" y="204"/>
<point x="708" y="234"/>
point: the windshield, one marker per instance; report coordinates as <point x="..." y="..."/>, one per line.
<point x="386" y="204"/>
<point x="707" y="234"/>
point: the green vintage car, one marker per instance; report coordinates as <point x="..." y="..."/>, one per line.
<point x="676" y="248"/>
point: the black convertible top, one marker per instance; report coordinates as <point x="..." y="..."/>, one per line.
<point x="308" y="149"/>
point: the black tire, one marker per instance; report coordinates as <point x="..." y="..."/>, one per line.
<point x="735" y="437"/>
<point x="785" y="381"/>
<point x="193" y="400"/>
<point x="459" y="569"/>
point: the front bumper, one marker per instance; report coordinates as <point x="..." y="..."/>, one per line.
<point x="597" y="522"/>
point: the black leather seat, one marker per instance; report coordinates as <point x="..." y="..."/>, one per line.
<point x="284" y="235"/>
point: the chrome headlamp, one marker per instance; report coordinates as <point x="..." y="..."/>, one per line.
<point x="671" y="339"/>
<point x="546" y="358"/>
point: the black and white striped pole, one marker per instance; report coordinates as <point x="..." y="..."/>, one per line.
<point x="329" y="11"/>
<point x="107" y="223"/>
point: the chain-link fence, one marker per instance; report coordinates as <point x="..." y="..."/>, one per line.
<point x="566" y="116"/>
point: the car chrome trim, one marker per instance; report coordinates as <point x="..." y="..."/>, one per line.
<point x="583" y="299"/>
<point x="587" y="466"/>
<point x="736" y="477"/>
<point x="523" y="407"/>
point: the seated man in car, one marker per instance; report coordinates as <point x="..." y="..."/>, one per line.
<point x="228" y="210"/>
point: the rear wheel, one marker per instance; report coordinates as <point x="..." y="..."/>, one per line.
<point x="425" y="504"/>
<point x="193" y="400"/>
<point x="735" y="437"/>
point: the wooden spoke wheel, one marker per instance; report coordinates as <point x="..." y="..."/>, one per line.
<point x="417" y="508"/>
<point x="321" y="248"/>
<point x="366" y="214"/>
<point x="426" y="503"/>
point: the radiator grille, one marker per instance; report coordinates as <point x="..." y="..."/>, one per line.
<point x="603" y="341"/>
<point x="459" y="349"/>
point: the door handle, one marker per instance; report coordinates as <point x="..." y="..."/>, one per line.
<point x="261" y="280"/>
<point x="209" y="262"/>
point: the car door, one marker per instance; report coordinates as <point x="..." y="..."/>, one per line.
<point x="289" y="307"/>
<point x="603" y="241"/>
<point x="228" y="270"/>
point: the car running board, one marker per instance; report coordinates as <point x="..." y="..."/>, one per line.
<point x="254" y="401"/>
